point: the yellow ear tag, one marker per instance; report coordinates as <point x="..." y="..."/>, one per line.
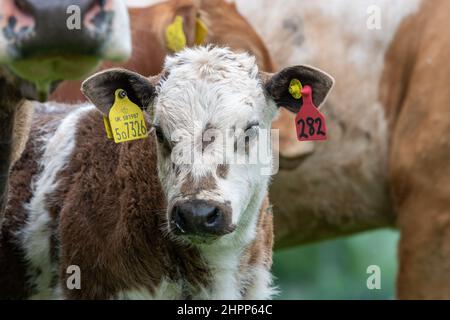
<point x="175" y="37"/>
<point x="295" y="88"/>
<point x="201" y="31"/>
<point x="126" y="119"/>
<point x="108" y="129"/>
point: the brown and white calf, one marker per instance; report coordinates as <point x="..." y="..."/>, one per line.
<point x="136" y="221"/>
<point x="37" y="49"/>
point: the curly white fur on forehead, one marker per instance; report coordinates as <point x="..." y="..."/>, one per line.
<point x="211" y="60"/>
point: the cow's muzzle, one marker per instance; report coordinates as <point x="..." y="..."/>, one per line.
<point x="200" y="218"/>
<point x="54" y="27"/>
<point x="48" y="41"/>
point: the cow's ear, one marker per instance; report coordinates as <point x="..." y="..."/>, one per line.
<point x="277" y="86"/>
<point x="101" y="87"/>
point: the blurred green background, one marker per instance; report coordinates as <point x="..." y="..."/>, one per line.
<point x="337" y="269"/>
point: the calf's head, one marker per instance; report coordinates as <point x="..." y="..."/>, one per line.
<point x="211" y="110"/>
<point x="52" y="40"/>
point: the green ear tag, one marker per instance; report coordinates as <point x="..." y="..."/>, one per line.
<point x="295" y="88"/>
<point x="126" y="119"/>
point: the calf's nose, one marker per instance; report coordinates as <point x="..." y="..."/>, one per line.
<point x="197" y="217"/>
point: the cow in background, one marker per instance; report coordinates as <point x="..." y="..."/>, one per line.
<point x="37" y="49"/>
<point x="386" y="163"/>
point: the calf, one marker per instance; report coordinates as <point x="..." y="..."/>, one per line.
<point x="137" y="221"/>
<point x="38" y="49"/>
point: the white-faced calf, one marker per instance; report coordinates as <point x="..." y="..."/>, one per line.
<point x="134" y="220"/>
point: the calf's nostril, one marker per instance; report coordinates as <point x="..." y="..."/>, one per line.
<point x="199" y="217"/>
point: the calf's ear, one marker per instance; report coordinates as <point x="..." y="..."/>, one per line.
<point x="101" y="87"/>
<point x="277" y="86"/>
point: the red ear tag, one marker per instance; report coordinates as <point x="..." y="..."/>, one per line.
<point x="310" y="122"/>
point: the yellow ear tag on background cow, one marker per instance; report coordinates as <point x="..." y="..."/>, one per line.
<point x="175" y="37"/>
<point x="201" y="31"/>
<point x="126" y="119"/>
<point x="295" y="88"/>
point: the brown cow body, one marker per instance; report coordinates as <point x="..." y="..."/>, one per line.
<point x="415" y="94"/>
<point x="386" y="161"/>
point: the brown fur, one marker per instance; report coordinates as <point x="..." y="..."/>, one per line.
<point x="22" y="126"/>
<point x="14" y="284"/>
<point x="222" y="170"/>
<point x="128" y="217"/>
<point x="259" y="252"/>
<point x="415" y="93"/>
<point x="11" y="99"/>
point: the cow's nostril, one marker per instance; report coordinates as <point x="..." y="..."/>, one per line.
<point x="23" y="6"/>
<point x="212" y="218"/>
<point x="95" y="5"/>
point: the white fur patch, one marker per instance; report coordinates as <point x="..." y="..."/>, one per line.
<point x="224" y="265"/>
<point x="119" y="44"/>
<point x="292" y="28"/>
<point x="261" y="287"/>
<point x="37" y="233"/>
